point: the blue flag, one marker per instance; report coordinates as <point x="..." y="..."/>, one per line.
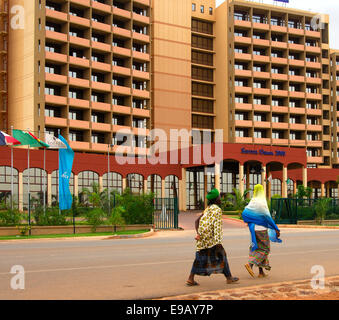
<point x="66" y="157"/>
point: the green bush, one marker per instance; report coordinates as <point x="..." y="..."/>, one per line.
<point x="51" y="217"/>
<point x="10" y="217"/>
<point x="305" y="213"/>
<point x="95" y="218"/>
<point x="138" y="208"/>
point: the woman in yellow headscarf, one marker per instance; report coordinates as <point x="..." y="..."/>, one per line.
<point x="263" y="230"/>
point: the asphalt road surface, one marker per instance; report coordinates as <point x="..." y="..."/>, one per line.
<point x="153" y="267"/>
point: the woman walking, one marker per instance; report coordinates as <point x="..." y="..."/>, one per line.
<point x="263" y="230"/>
<point x="210" y="255"/>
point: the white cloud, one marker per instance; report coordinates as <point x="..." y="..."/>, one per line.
<point x="324" y="6"/>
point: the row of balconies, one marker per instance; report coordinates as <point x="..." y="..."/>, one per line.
<point x="274" y="28"/>
<point x="277" y="44"/>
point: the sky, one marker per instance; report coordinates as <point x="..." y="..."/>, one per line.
<point x="330" y="7"/>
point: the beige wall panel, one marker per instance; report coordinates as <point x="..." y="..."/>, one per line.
<point x="172" y="83"/>
<point x="180" y="34"/>
<point x="172" y="49"/>
<point x="172" y="66"/>
<point x="21" y="69"/>
<point x="173" y="12"/>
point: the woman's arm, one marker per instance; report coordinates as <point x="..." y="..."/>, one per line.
<point x="196" y="224"/>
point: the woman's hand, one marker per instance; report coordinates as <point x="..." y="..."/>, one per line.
<point x="197" y="237"/>
<point x="278" y="233"/>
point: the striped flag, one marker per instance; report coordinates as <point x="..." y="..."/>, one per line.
<point x="27" y="139"/>
<point x="7" y="140"/>
<point x="54" y="142"/>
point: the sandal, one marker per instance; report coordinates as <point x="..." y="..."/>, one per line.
<point x="262" y="275"/>
<point x="191" y="284"/>
<point x="249" y="269"/>
<point x="232" y="280"/>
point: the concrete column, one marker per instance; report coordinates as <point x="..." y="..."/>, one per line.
<point x="101" y="184"/>
<point x="247" y="176"/>
<point x="322" y="190"/>
<point x="217" y="176"/>
<point x="163" y="193"/>
<point x="241" y="178"/>
<point x="183" y="191"/>
<point x="49" y="190"/>
<point x="328" y="190"/>
<point x="284" y="183"/>
<point x="294" y="187"/>
<point x="145" y="186"/>
<point x="305" y="177"/>
<point x="124" y="184"/>
<point x="263" y="177"/>
<point x="21" y="192"/>
<point x="76" y="186"/>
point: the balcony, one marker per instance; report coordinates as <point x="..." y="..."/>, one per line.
<point x="101" y="86"/>
<point x="122" y="129"/>
<point x="261" y="26"/>
<point x="141" y="93"/>
<point x="57" y="15"/>
<point x="261" y="91"/>
<point x="77" y="82"/>
<point x="312" y="34"/>
<point x="55" y="78"/>
<point x="101" y="126"/>
<point x="297" y="110"/>
<point x="280" y="93"/>
<point x="84" y="3"/>
<point x="261" y="42"/>
<point x="313" y="49"/>
<point x="140" y="18"/>
<point x="297" y="63"/>
<point x="297" y="126"/>
<point x="262" y="124"/>
<point x="314" y="65"/>
<point x="261" y="75"/>
<point x="279" y="29"/>
<point x="56" y="57"/>
<point x="141" y="112"/>
<point x="140" y="37"/>
<point x="122" y="70"/>
<point x="80" y="145"/>
<point x="314" y="112"/>
<point x="314" y="160"/>
<point x="99" y="147"/>
<point x="141" y="74"/>
<point x="140" y="131"/>
<point x="243" y="89"/>
<point x="297" y="94"/>
<point x="143" y="2"/>
<point x="242" y="23"/>
<point x="122" y="51"/>
<point x="243" y="73"/>
<point x="243" y="140"/>
<point x="242" y="40"/>
<point x="280" y="142"/>
<point x="101" y="46"/>
<point x="78" y="124"/>
<point x="55" y="122"/>
<point x="121" y="109"/>
<point x="280" y="109"/>
<point x="101" y="66"/>
<point x="279" y="76"/>
<point x="297" y="78"/>
<point x="279" y="125"/>
<point x="314" y="96"/>
<point x="260" y="58"/>
<point x="121" y="90"/>
<point x="57" y="36"/>
<point x="243" y="106"/>
<point x="278" y="44"/>
<point x="101" y="26"/>
<point x="55" y="99"/>
<point x="80" y="103"/>
<point x="81" y="62"/>
<point x="242" y="56"/>
<point x="121" y="13"/>
<point x="101" y="6"/>
<point x="79" y="21"/>
<point x="297" y="143"/>
<point x="296" y="47"/>
<point x="261" y="107"/>
<point x="313" y="80"/>
<point x="79" y="41"/>
<point x="296" y="31"/>
<point x="122" y="32"/>
<point x="243" y="123"/>
<point x="311" y="143"/>
<point x="141" y="55"/>
<point x="279" y="60"/>
<point x="101" y="106"/>
<point x="262" y="140"/>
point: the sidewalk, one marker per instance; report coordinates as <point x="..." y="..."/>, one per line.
<point x="292" y="290"/>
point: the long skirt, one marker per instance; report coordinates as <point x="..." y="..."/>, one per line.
<point x="259" y="257"/>
<point x="211" y="260"/>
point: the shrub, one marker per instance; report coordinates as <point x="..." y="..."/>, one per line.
<point x="51" y="217"/>
<point x="95" y="217"/>
<point x="116" y="218"/>
<point x="10" y="217"/>
<point x="138" y="208"/>
<point x="321" y="207"/>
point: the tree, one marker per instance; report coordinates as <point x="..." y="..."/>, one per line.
<point x="239" y="200"/>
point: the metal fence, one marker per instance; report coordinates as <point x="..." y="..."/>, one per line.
<point x="166" y="213"/>
<point x="290" y="210"/>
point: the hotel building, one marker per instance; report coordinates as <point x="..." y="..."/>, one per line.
<point x="260" y="72"/>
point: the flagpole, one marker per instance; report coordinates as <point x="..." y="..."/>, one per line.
<point x="108" y="174"/>
<point x="44" y="181"/>
<point x="12" y="164"/>
<point x="58" y="175"/>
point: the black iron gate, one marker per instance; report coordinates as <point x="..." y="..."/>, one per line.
<point x="166" y="213"/>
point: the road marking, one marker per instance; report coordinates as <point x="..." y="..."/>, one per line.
<point x="160" y="263"/>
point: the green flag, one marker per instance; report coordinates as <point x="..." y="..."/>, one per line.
<point x="26" y="139"/>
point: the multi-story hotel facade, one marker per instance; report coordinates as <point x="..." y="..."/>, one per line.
<point x="261" y="73"/>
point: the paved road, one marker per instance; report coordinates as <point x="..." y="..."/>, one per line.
<point x="152" y="267"/>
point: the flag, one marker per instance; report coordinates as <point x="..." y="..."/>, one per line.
<point x="288" y="181"/>
<point x="37" y="139"/>
<point x="27" y="139"/>
<point x="66" y="157"/>
<point x="7" y="140"/>
<point x="54" y="142"/>
<point x="269" y="178"/>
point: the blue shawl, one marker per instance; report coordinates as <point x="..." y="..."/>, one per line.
<point x="256" y="213"/>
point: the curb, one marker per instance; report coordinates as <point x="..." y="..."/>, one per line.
<point x="131" y="236"/>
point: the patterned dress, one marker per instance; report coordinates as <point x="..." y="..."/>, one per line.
<point x="210" y="255"/>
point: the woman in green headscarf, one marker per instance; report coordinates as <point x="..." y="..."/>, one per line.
<point x="210" y="255"/>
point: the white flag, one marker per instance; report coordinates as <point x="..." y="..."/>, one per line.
<point x="54" y="142"/>
<point x="270" y="178"/>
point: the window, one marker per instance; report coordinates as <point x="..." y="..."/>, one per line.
<point x="202" y="9"/>
<point x="194" y="6"/>
<point x="210" y="11"/>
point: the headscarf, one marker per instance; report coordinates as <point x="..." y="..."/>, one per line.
<point x="257" y="213"/>
<point x="213" y="194"/>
